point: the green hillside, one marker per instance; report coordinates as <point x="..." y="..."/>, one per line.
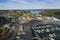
<point x="54" y="13"/>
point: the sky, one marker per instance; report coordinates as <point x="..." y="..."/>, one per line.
<point x="29" y="4"/>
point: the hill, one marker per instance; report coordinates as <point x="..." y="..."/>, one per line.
<point x="51" y="12"/>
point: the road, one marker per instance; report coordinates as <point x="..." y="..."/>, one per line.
<point x="27" y="29"/>
<point x="27" y="35"/>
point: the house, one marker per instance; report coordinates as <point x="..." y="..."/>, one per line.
<point x="6" y="25"/>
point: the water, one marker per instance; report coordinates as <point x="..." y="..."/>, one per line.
<point x="35" y="10"/>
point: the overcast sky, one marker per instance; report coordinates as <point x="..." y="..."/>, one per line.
<point x="29" y="4"/>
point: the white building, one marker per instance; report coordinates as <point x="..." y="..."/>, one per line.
<point x="7" y="25"/>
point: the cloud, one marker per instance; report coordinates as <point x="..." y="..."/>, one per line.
<point x="30" y="4"/>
